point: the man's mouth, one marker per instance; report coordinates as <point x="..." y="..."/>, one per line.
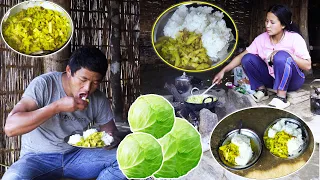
<point x="83" y="96"/>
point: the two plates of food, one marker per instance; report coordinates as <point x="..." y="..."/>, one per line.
<point x="272" y="143"/>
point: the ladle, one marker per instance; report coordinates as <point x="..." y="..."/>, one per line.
<point x="208" y="89"/>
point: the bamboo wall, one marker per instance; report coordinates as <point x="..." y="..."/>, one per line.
<point x="92" y="25"/>
<point x="16" y="72"/>
<point x="299" y="9"/>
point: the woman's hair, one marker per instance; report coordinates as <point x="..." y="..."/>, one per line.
<point x="284" y="15"/>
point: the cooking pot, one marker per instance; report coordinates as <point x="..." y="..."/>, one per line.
<point x="206" y="103"/>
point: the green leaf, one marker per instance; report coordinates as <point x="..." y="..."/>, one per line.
<point x="151" y="114"/>
<point x="182" y="150"/>
<point x="139" y="155"/>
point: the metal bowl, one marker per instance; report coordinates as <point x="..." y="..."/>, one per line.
<point x="47" y="5"/>
<point x="256" y="146"/>
<point x="305" y="136"/>
<point x="157" y="31"/>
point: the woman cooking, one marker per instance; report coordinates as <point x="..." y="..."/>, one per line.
<point x="275" y="59"/>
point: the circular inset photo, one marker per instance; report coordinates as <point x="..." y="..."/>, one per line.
<point x="36" y="28"/>
<point x="194" y="36"/>
<point x="262" y="143"/>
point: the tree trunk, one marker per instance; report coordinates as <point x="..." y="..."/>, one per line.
<point x="58" y="61"/>
<point x="117" y="104"/>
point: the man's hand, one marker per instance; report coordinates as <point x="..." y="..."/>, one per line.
<point x="71" y="104"/>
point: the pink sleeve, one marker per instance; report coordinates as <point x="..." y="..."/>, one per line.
<point x="300" y="47"/>
<point x="253" y="48"/>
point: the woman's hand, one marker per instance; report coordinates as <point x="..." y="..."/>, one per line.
<point x="270" y="57"/>
<point x="234" y="63"/>
<point x="304" y="64"/>
<point x="218" y="78"/>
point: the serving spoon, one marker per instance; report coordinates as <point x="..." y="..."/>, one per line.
<point x="41" y="52"/>
<point x="208" y="89"/>
<point x="240" y="126"/>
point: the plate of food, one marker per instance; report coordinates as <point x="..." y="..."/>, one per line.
<point x="37" y="28"/>
<point x="265" y="122"/>
<point x="90" y="138"/>
<point x="194" y="36"/>
<point x="240" y="150"/>
<point x="286" y="138"/>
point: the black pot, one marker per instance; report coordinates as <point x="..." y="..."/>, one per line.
<point x="197" y="107"/>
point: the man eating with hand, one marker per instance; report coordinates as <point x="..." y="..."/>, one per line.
<point x="55" y="105"/>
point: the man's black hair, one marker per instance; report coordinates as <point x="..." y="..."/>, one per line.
<point x="88" y="57"/>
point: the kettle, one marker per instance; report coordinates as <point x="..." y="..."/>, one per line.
<point x="183" y="83"/>
<point x="315" y="96"/>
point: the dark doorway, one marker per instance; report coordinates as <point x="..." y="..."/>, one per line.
<point x="314" y="32"/>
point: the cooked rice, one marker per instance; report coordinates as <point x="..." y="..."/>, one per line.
<point x="296" y="142"/>
<point x="73" y="139"/>
<point x="245" y="151"/>
<point x="88" y="132"/>
<point x="215" y="34"/>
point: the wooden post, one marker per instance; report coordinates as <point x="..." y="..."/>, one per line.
<point x="58" y="61"/>
<point x="304" y="27"/>
<point x="117" y="104"/>
<point x="304" y="20"/>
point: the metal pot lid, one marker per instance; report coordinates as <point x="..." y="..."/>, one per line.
<point x="184" y="77"/>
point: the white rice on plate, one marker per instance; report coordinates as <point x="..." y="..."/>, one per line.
<point x="73" y="139"/>
<point x="88" y="132"/>
<point x="296" y="142"/>
<point x="215" y="34"/>
<point x="245" y="151"/>
<point x="107" y="139"/>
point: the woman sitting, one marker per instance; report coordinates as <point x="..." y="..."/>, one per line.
<point x="275" y="59"/>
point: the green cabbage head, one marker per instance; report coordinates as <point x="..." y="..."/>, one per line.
<point x="139" y="155"/>
<point x="182" y="150"/>
<point x="151" y="114"/>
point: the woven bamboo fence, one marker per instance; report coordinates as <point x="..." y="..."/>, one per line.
<point x="299" y="9"/>
<point x="92" y="26"/>
<point x="16" y="72"/>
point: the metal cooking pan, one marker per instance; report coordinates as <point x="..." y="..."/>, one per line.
<point x="198" y="106"/>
